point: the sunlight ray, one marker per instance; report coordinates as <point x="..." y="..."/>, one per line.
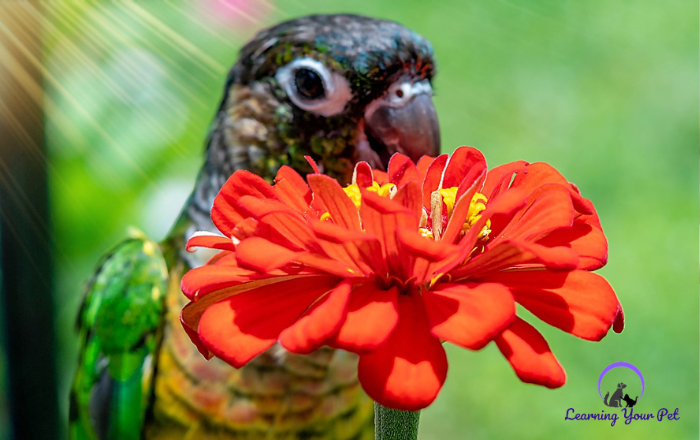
<point x="100" y="33"/>
<point x="181" y="44"/>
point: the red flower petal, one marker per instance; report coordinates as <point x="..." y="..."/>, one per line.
<point x="282" y="226"/>
<point x="474" y="179"/>
<point x="419" y="255"/>
<point x="359" y="251"/>
<point x="226" y="213"/>
<point x="431" y="250"/>
<point x="363" y="176"/>
<point x="584" y="238"/>
<point x="498" y="179"/>
<point x="312" y="330"/>
<point x="287" y="230"/>
<point x="380" y="218"/>
<point x="372" y="315"/>
<point x="245" y="229"/>
<point x="619" y="323"/>
<point x="261" y="255"/>
<point x="342" y="210"/>
<point x="292" y="190"/>
<point x="540" y="173"/>
<point x="432" y="179"/>
<point x="506" y="204"/>
<point x="258" y="208"/>
<point x="380" y="177"/>
<point x="194" y="337"/>
<point x="510" y="254"/>
<point x="460" y="165"/>
<point x="202" y="280"/>
<point x="211" y="241"/>
<point x="327" y="265"/>
<point x="407" y="371"/>
<point x="192" y="312"/>
<point x="579" y="302"/>
<point x="530" y="356"/>
<point x="409" y="196"/>
<point x="469" y="314"/>
<point x="547" y="208"/>
<point x="465" y="193"/>
<point x="401" y="170"/>
<point x="242" y="326"/>
<point x="422" y="166"/>
<point x="223" y="259"/>
<point x="312" y="162"/>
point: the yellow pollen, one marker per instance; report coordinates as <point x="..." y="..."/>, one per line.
<point x="437" y="278"/>
<point x="353" y="191"/>
<point x="325" y="217"/>
<point x="384" y="190"/>
<point x="448" y="198"/>
<point x="476" y="208"/>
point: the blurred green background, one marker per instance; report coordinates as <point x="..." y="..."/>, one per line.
<point x="607" y="92"/>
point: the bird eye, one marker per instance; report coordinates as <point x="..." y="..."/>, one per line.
<point x="309" y="84"/>
<point x="313" y="87"/>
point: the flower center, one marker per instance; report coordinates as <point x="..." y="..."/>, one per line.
<point x="353" y="191"/>
<point x="476" y="208"/>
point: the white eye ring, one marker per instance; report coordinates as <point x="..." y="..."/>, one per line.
<point x="401" y="92"/>
<point x="337" y="89"/>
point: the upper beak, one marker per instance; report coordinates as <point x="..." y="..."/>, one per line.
<point x="403" y="121"/>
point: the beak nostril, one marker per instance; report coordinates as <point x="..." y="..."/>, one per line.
<point x="410" y="128"/>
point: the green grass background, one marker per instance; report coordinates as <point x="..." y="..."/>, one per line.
<point x="607" y="92"/>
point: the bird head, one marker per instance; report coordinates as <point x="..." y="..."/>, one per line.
<point x="338" y="88"/>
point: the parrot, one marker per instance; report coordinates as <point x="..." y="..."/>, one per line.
<point x="338" y="88"/>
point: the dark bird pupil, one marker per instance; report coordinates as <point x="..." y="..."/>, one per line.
<point x="308" y="83"/>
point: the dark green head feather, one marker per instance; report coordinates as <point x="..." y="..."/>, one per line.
<point x="338" y="88"/>
<point x="371" y="54"/>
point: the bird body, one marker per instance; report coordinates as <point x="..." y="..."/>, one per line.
<point x="338" y="88"/>
<point x="278" y="396"/>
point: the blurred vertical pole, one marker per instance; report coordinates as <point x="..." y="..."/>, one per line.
<point x="25" y="249"/>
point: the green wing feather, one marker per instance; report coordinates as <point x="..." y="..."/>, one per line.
<point x="119" y="324"/>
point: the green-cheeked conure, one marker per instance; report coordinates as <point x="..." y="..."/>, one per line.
<point x="338" y="88"/>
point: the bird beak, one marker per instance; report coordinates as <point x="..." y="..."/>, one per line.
<point x="402" y="121"/>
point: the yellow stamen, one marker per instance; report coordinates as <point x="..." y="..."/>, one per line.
<point x="448" y="198"/>
<point x="353" y="191"/>
<point x="386" y="190"/>
<point x="374" y="188"/>
<point x="437" y="278"/>
<point x="476" y="207"/>
<point x="426" y="232"/>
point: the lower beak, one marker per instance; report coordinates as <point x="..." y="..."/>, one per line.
<point x="410" y="128"/>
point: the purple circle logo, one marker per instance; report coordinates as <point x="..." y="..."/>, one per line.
<point x="617" y="396"/>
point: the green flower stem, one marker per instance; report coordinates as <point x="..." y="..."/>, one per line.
<point x="393" y="424"/>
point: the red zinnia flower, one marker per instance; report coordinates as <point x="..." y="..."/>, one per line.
<point x="396" y="263"/>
